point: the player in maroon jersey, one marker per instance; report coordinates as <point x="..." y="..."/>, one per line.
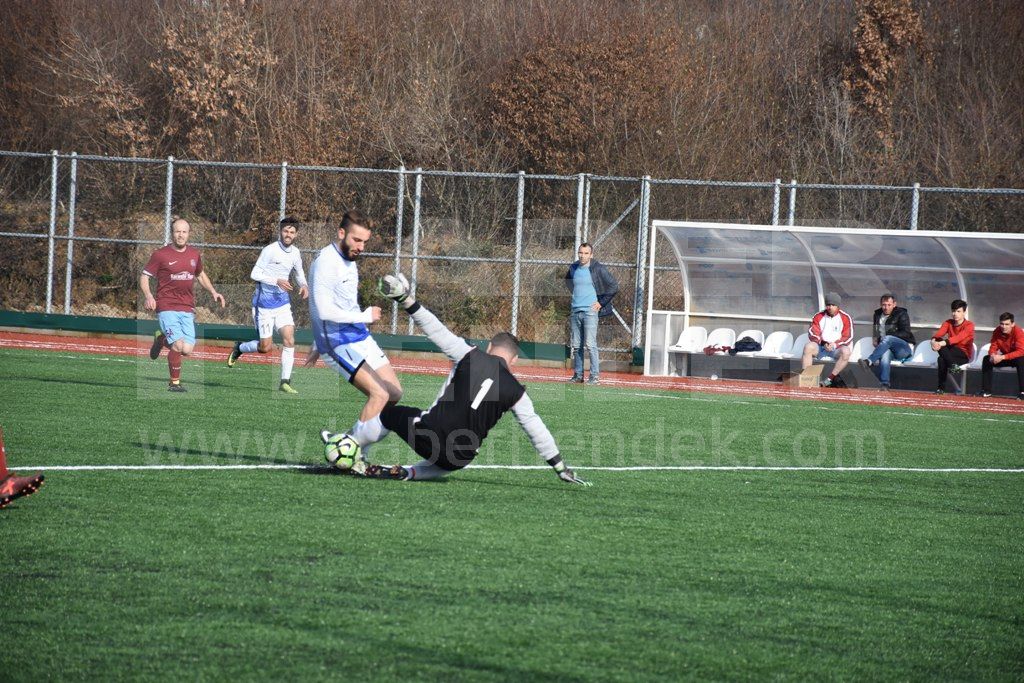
<point x="175" y="266"/>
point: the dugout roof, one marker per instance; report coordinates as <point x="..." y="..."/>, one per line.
<point x="782" y="273"/>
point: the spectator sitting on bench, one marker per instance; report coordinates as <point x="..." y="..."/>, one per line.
<point x="830" y="336"/>
<point x="1006" y="351"/>
<point x="954" y="342"/>
<point x="892" y="336"/>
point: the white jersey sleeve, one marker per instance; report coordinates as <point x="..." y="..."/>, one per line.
<point x="300" y="274"/>
<point x="334" y="294"/>
<point x="261" y="272"/>
<point x="453" y="346"/>
<point x="535" y="428"/>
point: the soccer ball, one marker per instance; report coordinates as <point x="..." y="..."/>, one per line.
<point x="342" y="451"/>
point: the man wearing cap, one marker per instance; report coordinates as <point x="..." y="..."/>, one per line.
<point x="830" y="337"/>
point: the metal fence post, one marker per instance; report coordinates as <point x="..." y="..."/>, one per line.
<point x="72" y="196"/>
<point x="54" y="161"/>
<point x="282" y="205"/>
<point x="517" y="266"/>
<point x="399" y="195"/>
<point x="168" y="200"/>
<point x="586" y="209"/>
<point x="641" y="256"/>
<point x="416" y="206"/>
<point x="776" y="200"/>
<point x="580" y="191"/>
<point x="792" y="201"/>
<point x="915" y="206"/>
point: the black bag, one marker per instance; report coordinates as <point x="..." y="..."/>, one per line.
<point x="744" y="344"/>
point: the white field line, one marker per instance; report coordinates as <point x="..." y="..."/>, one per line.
<point x="629" y="468"/>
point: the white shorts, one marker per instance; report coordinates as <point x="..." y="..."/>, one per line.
<point x="345" y="359"/>
<point x="270" y="320"/>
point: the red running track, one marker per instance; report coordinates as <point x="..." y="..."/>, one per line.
<point x="892" y="399"/>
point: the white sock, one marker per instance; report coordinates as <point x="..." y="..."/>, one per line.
<point x="424" y="470"/>
<point x="369" y="432"/>
<point x="249" y="346"/>
<point x="287" y="362"/>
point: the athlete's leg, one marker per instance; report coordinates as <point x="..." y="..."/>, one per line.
<point x="287" y="353"/>
<point x="379" y="393"/>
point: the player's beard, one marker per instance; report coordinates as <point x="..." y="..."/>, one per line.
<point x="346" y="253"/>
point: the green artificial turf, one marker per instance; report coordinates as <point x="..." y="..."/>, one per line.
<point x="499" y="574"/>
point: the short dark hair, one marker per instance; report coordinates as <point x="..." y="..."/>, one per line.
<point x="586" y="244"/>
<point x="354" y="217"/>
<point x="507" y="341"/>
<point x="1006" y="316"/>
<point x="289" y="220"/>
<point x="958" y="303"/>
<point x="886" y="297"/>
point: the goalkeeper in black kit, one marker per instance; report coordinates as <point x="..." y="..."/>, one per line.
<point x="478" y="391"/>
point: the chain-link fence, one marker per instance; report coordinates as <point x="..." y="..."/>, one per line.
<point x="487" y="250"/>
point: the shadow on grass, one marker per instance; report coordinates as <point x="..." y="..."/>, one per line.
<point x="178" y="453"/>
<point x="64" y="381"/>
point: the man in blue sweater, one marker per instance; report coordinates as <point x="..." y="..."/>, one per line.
<point x="593" y="289"/>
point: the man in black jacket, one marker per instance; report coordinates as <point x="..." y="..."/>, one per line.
<point x="593" y="289"/>
<point x="892" y="336"/>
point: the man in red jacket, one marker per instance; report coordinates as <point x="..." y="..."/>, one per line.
<point x="829" y="337"/>
<point x="1006" y="351"/>
<point x="954" y="342"/>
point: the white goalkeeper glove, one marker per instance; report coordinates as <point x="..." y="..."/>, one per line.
<point x="567" y="475"/>
<point x="396" y="288"/>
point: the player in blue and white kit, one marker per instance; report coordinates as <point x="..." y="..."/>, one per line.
<point x="340" y="333"/>
<point x="271" y="305"/>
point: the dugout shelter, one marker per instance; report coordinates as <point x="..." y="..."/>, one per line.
<point x="714" y="282"/>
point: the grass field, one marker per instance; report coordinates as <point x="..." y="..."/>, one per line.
<point x="500" y="574"/>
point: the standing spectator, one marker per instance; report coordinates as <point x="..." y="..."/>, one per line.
<point x="271" y="305"/>
<point x="829" y="337"/>
<point x="892" y="336"/>
<point x="1006" y="351"/>
<point x="954" y="342"/>
<point x="593" y="289"/>
<point x="175" y="266"/>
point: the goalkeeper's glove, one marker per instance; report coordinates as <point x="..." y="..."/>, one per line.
<point x="567" y="475"/>
<point x="396" y="288"/>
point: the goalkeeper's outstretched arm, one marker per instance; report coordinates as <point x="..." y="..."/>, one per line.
<point x="397" y="289"/>
<point x="542" y="440"/>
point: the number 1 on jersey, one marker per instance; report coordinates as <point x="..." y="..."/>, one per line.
<point x="480" y="394"/>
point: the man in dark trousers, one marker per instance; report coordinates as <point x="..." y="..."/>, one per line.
<point x="892" y="336"/>
<point x="954" y="342"/>
<point x="593" y="289"/>
<point x="1005" y="351"/>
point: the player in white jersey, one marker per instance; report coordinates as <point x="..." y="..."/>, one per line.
<point x="271" y="306"/>
<point x="340" y="335"/>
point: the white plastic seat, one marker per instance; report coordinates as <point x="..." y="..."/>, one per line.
<point x="776" y="345"/>
<point x="979" y="357"/>
<point x="756" y="335"/>
<point x="924" y="356"/>
<point x="797" y="349"/>
<point x="722" y="336"/>
<point x="862" y="348"/>
<point x="692" y="340"/>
